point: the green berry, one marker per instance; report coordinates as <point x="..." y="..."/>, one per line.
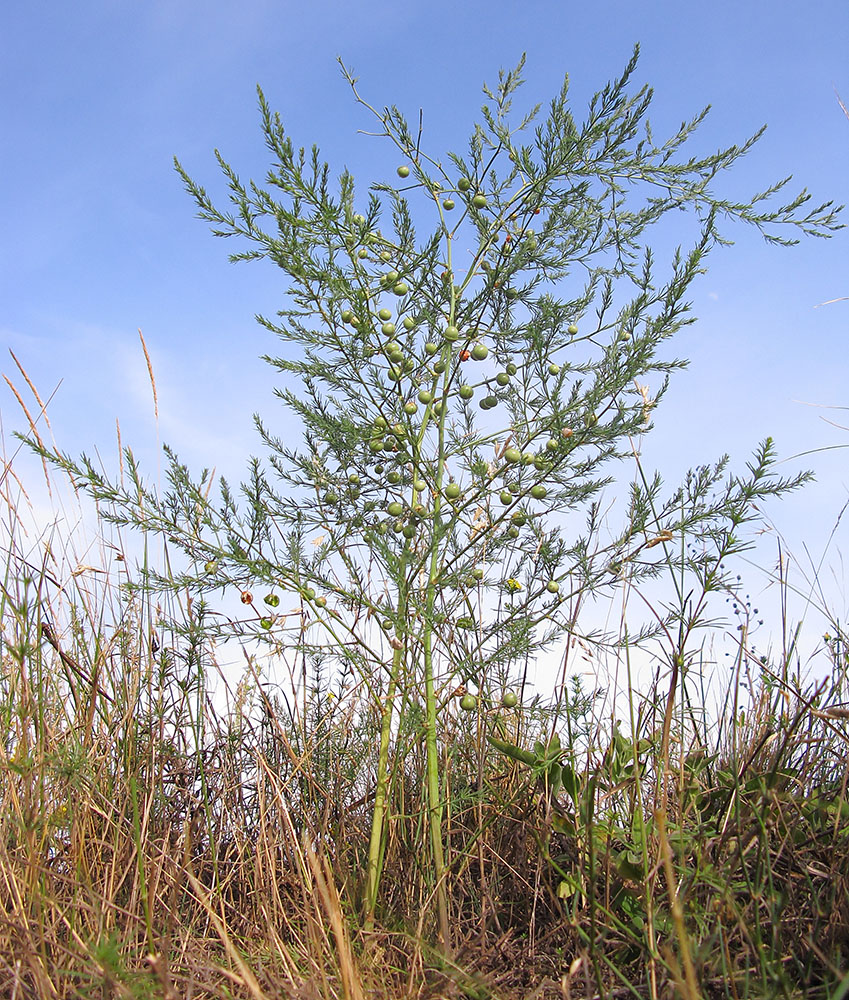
<point x="452" y="491"/>
<point x="479" y="352"/>
<point x="479" y="201"/>
<point x="466" y="392"/>
<point x="403" y="170"/>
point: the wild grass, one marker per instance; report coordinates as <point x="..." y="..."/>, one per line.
<point x="172" y="829"/>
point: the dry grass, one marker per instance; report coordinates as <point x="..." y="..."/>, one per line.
<point x="158" y="839"/>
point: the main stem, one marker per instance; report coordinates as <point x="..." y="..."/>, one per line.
<point x="377" y="840"/>
<point x="434" y="797"/>
<point x="433" y="791"/>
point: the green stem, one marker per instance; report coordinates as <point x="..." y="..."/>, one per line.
<point x="434" y="798"/>
<point x="378" y="824"/>
<point x="377" y="839"/>
<point x="433" y="791"/>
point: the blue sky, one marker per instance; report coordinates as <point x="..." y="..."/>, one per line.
<point x="99" y="238"/>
